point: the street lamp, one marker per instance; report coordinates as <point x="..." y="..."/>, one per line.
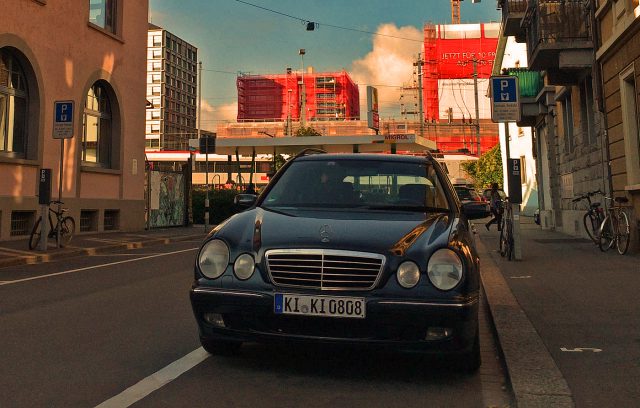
<point x="303" y="93"/>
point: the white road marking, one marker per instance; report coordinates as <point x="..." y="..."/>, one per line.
<point x="580" y="349"/>
<point x="520" y="277"/>
<point x="156" y="380"/>
<point x="92" y="267"/>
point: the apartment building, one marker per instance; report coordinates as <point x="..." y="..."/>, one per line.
<point x="172" y="72"/>
<point x="90" y="53"/>
<point x="618" y="57"/>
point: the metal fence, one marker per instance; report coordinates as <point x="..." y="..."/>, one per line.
<point x="557" y="21"/>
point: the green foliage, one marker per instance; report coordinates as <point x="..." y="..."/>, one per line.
<point x="487" y="169"/>
<point x="307" y="131"/>
<point x="280" y="161"/>
<point x="221" y="205"/>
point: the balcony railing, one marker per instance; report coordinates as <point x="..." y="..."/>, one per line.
<point x="512" y="13"/>
<point x="553" y="26"/>
<point x="529" y="82"/>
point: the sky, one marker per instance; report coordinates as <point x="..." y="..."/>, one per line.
<point x="233" y="36"/>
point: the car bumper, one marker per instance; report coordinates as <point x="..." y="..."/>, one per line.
<point x="399" y="324"/>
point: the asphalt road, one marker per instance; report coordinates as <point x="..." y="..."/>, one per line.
<point x="117" y="329"/>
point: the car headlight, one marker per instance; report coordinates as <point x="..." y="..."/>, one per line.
<point x="408" y="274"/>
<point x="445" y="269"/>
<point x="213" y="258"/>
<point x="244" y="266"/>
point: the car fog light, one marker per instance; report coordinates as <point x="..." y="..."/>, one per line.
<point x="438" y="333"/>
<point x="214" y="319"/>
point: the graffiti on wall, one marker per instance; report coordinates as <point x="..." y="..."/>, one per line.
<point x="167" y="199"/>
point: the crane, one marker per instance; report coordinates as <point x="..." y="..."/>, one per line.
<point x="455" y="11"/>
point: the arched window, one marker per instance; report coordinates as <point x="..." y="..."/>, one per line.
<point x="97" y="135"/>
<point x="14" y="103"/>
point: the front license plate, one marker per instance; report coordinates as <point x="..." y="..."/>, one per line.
<point x="328" y="306"/>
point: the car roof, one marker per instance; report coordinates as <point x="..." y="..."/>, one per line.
<point x="365" y="156"/>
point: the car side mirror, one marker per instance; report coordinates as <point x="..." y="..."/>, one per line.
<point x="474" y="211"/>
<point x="245" y="200"/>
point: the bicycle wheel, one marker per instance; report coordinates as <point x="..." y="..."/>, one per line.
<point x="36" y="232"/>
<point x="67" y="227"/>
<point x="606" y="240"/>
<point x="622" y="243"/>
<point x="591" y="226"/>
<point x="509" y="251"/>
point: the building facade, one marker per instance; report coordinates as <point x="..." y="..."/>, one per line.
<point x="172" y="73"/>
<point x="327" y="96"/>
<point x="94" y="57"/>
<point x="568" y="123"/>
<point x="618" y="56"/>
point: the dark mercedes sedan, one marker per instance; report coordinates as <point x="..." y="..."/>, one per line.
<point x="364" y="249"/>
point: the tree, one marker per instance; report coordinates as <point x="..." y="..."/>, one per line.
<point x="307" y="131"/>
<point x="487" y="169"/>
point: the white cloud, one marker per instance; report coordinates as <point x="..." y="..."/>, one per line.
<point x="389" y="63"/>
<point x="212" y="115"/>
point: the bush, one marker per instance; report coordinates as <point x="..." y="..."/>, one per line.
<point x="221" y="205"/>
<point x="487" y="169"/>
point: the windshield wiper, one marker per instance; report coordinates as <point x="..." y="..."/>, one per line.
<point x="271" y="209"/>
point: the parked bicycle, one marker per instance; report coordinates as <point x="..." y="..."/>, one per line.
<point x="594" y="216"/>
<point x="64" y="223"/>
<point x="506" y="231"/>
<point x="615" y="227"/>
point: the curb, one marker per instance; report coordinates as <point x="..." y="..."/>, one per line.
<point x="41" y="258"/>
<point x="535" y="378"/>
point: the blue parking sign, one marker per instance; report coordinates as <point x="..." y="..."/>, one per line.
<point x="63" y="120"/>
<point x="505" y="95"/>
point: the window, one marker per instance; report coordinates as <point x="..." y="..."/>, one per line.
<point x="586" y="112"/>
<point x="567" y="123"/>
<point x="103" y="14"/>
<point x="14" y="102"/>
<point x="628" y="93"/>
<point x="97" y="127"/>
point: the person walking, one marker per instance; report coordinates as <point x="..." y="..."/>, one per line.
<point x="495" y="203"/>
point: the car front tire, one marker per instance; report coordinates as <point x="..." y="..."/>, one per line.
<point x="220" y="347"/>
<point x="470" y="361"/>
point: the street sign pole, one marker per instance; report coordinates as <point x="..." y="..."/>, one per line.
<point x="505" y="108"/>
<point x="60" y="190"/>
<point x="62" y="129"/>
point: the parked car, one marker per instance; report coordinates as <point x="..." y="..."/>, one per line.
<point x="364" y="249"/>
<point x="470" y="198"/>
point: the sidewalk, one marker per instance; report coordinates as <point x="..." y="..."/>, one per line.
<point x="567" y="318"/>
<point x="17" y="252"/>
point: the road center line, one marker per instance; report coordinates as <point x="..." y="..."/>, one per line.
<point x="156" y="380"/>
<point x="92" y="267"/>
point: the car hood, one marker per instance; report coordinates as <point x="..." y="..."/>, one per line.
<point x="380" y="232"/>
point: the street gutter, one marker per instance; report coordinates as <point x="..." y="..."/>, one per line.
<point x="535" y="378"/>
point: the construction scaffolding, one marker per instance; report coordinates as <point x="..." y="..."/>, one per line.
<point x="329" y="96"/>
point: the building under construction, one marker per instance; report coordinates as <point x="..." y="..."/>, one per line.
<point x="327" y="96"/>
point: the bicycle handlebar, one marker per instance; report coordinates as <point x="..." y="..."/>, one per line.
<point x="55" y="202"/>
<point x="584" y="196"/>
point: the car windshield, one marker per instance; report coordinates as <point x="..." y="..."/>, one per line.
<point x="361" y="184"/>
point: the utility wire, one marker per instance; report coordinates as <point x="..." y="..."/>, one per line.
<point x="303" y="20"/>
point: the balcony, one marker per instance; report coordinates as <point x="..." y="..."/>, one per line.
<point x="513" y="11"/>
<point x="534" y="96"/>
<point x="558" y="38"/>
